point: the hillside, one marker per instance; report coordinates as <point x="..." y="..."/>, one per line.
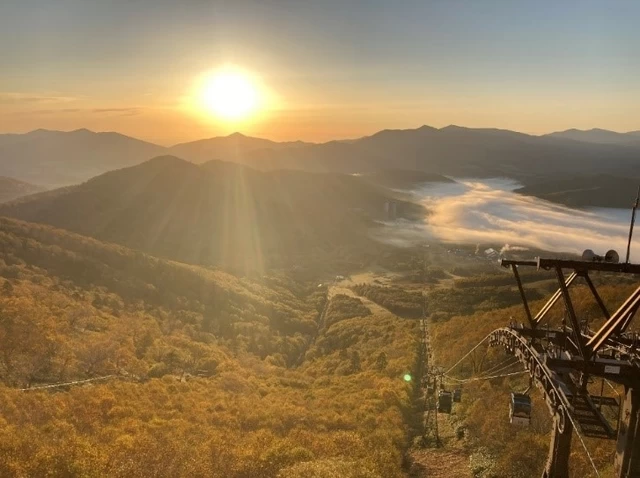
<point x="57" y="158"/>
<point x="191" y="372"/>
<point x="587" y="191"/>
<point x="109" y="277"/>
<point x="219" y="213"/>
<point x="12" y="189"/>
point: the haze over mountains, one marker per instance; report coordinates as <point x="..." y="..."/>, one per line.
<point x="57" y="158"/>
<point x="12" y="188"/>
<point x="54" y="158"/>
<point x="597" y="135"/>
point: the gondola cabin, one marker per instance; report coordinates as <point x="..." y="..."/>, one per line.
<point x="520" y="409"/>
<point x="444" y="401"/>
<point x="457" y="395"/>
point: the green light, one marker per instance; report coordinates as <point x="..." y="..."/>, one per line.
<point x="407" y="377"/>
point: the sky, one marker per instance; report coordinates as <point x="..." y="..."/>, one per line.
<point x="325" y="69"/>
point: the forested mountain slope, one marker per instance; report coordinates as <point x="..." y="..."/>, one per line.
<point x="218" y="213"/>
<point x="210" y="375"/>
<point x="118" y="280"/>
<point x="588" y="191"/>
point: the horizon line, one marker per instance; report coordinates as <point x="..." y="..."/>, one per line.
<point x="239" y="133"/>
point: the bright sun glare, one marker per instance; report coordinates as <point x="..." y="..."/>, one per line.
<point x="229" y="95"/>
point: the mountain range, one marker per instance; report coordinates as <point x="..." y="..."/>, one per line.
<point x="55" y="158"/>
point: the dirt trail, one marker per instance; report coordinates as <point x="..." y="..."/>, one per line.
<point x="439" y="463"/>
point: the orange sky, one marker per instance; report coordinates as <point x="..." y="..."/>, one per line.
<point x="332" y="69"/>
<point x="167" y="124"/>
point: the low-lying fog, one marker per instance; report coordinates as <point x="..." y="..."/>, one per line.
<point x="488" y="212"/>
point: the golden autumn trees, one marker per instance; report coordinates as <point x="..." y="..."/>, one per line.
<point x="209" y="375"/>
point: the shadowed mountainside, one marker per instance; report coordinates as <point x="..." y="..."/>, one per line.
<point x="217" y="213"/>
<point x="587" y="191"/>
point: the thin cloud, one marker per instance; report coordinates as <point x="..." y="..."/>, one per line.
<point x="95" y="111"/>
<point x="132" y="111"/>
<point x="51" y="111"/>
<point x="9" y="98"/>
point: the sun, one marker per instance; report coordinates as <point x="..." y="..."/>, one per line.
<point x="230" y="95"/>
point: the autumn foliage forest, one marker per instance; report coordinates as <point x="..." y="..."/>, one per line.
<point x="192" y="371"/>
<point x="207" y="374"/>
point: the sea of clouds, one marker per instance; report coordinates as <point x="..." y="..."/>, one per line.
<point x="488" y="212"/>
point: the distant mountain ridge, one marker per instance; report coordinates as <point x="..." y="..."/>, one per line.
<point x="12" y="189"/>
<point x="452" y="151"/>
<point x="597" y="135"/>
<point x="228" y="148"/>
<point x="55" y="158"/>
